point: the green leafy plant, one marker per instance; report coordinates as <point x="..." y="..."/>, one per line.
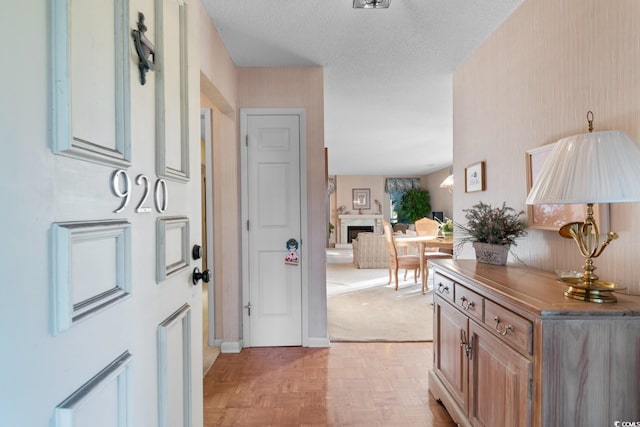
<point x="414" y="204"/>
<point x="486" y="224"/>
<point x="446" y="226"/>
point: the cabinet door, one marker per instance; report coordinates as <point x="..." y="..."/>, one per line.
<point x="450" y="357"/>
<point x="499" y="382"/>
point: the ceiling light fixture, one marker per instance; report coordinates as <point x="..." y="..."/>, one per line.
<point x="448" y="183"/>
<point x="371" y="4"/>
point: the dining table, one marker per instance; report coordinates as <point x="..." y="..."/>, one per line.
<point x="444" y="244"/>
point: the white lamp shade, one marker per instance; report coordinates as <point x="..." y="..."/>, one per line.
<point x="596" y="167"/>
<point x="448" y="182"/>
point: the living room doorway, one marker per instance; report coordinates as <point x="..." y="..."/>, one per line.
<point x="363" y="307"/>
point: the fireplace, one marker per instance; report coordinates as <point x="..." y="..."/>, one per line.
<point x="360" y="223"/>
<point x="353" y="230"/>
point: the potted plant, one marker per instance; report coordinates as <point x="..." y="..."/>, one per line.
<point x="492" y="231"/>
<point x="414" y="204"/>
<point x="446" y="227"/>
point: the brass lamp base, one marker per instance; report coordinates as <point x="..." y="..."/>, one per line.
<point x="589" y="287"/>
<point x="599" y="291"/>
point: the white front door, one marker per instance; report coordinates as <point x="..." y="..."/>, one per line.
<point x="273" y="239"/>
<point x="101" y="323"/>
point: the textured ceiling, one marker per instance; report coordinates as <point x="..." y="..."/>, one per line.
<point x="387" y="72"/>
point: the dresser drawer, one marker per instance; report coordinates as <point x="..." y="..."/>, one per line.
<point x="443" y="286"/>
<point x="510" y="327"/>
<point x="469" y="301"/>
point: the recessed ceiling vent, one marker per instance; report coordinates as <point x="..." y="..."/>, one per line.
<point x="371" y="4"/>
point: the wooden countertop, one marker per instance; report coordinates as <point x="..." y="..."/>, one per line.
<point x="534" y="291"/>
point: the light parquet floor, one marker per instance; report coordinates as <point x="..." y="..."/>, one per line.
<point x="354" y="384"/>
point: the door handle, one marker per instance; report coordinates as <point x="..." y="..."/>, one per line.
<point x="197" y="275"/>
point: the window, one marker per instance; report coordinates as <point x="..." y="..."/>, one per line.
<point x="396" y="187"/>
<point x="394" y="199"/>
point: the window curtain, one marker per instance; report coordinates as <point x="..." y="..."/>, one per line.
<point x="400" y="185"/>
<point x="396" y="187"/>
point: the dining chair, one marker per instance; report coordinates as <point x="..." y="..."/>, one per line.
<point x="408" y="262"/>
<point x="427" y="227"/>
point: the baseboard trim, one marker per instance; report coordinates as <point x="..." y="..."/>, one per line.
<point x="236" y="346"/>
<point x="319" y="342"/>
<point x="230" y="346"/>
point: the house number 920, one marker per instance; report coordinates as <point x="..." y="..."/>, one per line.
<point x="121" y="186"/>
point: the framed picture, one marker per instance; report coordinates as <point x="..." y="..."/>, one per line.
<point x="552" y="217"/>
<point x="361" y="198"/>
<point x="474" y="179"/>
<point x="331" y="185"/>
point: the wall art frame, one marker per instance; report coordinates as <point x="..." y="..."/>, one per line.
<point x="474" y="177"/>
<point x="361" y="198"/>
<point x="552" y="217"/>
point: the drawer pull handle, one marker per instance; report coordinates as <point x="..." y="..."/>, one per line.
<point x="466" y="304"/>
<point x="468" y="347"/>
<point x="507" y="329"/>
<point x="443" y="289"/>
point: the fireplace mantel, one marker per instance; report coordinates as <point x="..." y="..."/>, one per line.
<point x="346" y="220"/>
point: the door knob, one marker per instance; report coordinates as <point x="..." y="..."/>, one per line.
<point x="197" y="275"/>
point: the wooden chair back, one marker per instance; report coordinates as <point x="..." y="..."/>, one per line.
<point x="427" y="227"/>
<point x="388" y="238"/>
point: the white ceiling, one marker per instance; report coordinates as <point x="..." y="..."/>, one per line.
<point x="387" y="72"/>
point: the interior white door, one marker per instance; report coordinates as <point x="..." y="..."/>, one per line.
<point x="101" y="322"/>
<point x="273" y="304"/>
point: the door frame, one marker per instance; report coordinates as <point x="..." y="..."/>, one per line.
<point x="304" y="226"/>
<point x="206" y="130"/>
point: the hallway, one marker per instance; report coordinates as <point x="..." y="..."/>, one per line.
<point x="368" y="384"/>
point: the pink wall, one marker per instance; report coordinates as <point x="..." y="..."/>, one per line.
<point x="225" y="89"/>
<point x="300" y="87"/>
<point x="532" y="83"/>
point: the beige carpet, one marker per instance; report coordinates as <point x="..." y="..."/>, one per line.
<point x="362" y="307"/>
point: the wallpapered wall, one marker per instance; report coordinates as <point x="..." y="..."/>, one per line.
<point x="532" y="83"/>
<point x="226" y="89"/>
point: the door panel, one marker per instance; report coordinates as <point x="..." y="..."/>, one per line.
<point x="174" y="369"/>
<point x="450" y="359"/>
<point x="172" y="110"/>
<point x="91" y="264"/>
<point x="273" y="184"/>
<point x="500" y="380"/>
<point x="78" y="62"/>
<point x="84" y="304"/>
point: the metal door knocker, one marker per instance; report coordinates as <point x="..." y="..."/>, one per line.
<point x="144" y="48"/>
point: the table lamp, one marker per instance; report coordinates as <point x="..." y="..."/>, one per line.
<point x="594" y="167"/>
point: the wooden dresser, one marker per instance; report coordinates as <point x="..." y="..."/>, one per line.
<point x="510" y="350"/>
